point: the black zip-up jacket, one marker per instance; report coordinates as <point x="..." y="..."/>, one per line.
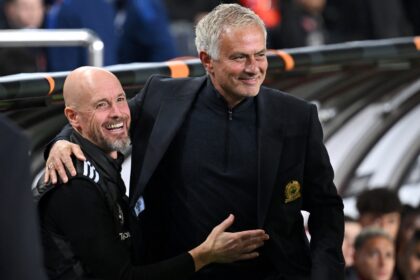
<point x="85" y="225"/>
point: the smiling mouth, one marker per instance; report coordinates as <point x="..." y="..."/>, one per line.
<point x="249" y="80"/>
<point x="115" y="126"/>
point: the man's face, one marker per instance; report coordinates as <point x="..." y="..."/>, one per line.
<point x="389" y="222"/>
<point x="376" y="259"/>
<point x="104" y="117"/>
<point x="25" y="13"/>
<point x="242" y="64"/>
<point x="351" y="230"/>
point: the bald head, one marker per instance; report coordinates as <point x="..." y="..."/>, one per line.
<point x="83" y="82"/>
<point x="97" y="108"/>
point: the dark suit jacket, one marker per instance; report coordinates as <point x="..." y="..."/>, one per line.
<point x="20" y="243"/>
<point x="294" y="172"/>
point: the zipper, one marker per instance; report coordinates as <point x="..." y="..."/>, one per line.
<point x="227" y="138"/>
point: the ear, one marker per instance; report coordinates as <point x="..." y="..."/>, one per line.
<point x="72" y="116"/>
<point x="207" y="62"/>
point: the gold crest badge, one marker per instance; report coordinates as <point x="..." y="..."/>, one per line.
<point x="292" y="191"/>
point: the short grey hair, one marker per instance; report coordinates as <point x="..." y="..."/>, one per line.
<point x="367" y="234"/>
<point x="211" y="26"/>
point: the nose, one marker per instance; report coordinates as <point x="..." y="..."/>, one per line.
<point x="115" y="110"/>
<point x="251" y="65"/>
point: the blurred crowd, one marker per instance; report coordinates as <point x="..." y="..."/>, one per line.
<point x="383" y="242"/>
<point x="159" y="30"/>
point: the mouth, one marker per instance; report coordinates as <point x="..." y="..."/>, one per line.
<point x="249" y="80"/>
<point x="115" y="126"/>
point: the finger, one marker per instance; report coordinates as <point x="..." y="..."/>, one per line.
<point x="225" y="224"/>
<point x="244" y="235"/>
<point x="53" y="176"/>
<point x="70" y="167"/>
<point x="59" y="167"/>
<point x="248" y="256"/>
<point x="46" y="175"/>
<point x="255" y="240"/>
<point x="78" y="152"/>
<point x="252" y="246"/>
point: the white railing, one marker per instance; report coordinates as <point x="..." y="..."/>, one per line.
<point x="56" y="38"/>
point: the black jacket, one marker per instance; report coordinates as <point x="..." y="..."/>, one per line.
<point x="294" y="174"/>
<point x="85" y="225"/>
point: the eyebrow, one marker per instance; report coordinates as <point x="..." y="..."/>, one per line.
<point x="105" y="99"/>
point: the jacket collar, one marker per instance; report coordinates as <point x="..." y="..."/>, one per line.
<point x="172" y="113"/>
<point x="270" y="124"/>
<point x="110" y="168"/>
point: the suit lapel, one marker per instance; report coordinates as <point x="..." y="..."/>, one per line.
<point x="270" y="132"/>
<point x="171" y="115"/>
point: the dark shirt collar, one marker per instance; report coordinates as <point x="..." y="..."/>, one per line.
<point x="110" y="167"/>
<point x="212" y="96"/>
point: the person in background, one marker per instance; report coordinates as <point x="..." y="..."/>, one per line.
<point x="380" y="207"/>
<point x="351" y="229"/>
<point x="145" y="34"/>
<point x="410" y="261"/>
<point x="301" y="25"/>
<point x="374" y="257"/>
<point x="85" y="228"/>
<point x="96" y="15"/>
<point x="19" y="15"/>
<point x="366" y="20"/>
<point x="412" y="10"/>
<point x="410" y="223"/>
<point x="183" y="16"/>
<point x="208" y="146"/>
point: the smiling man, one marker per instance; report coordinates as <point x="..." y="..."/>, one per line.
<point x="207" y="146"/>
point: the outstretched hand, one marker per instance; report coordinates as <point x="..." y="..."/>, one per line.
<point x="224" y="247"/>
<point x="59" y="160"/>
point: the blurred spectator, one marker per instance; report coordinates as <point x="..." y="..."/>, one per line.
<point x="22" y="14"/>
<point x="374" y="257"/>
<point x="412" y="8"/>
<point x="410" y="222"/>
<point x="351" y="230"/>
<point x="183" y="16"/>
<point x="410" y="266"/>
<point x="97" y="15"/>
<point x="301" y="25"/>
<point x="365" y="19"/>
<point x="2" y="16"/>
<point x="268" y="10"/>
<point x="145" y="34"/>
<point x="380" y="207"/>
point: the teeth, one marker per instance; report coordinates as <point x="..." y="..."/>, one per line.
<point x="115" y="125"/>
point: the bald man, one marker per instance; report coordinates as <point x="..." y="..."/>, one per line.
<point x="84" y="222"/>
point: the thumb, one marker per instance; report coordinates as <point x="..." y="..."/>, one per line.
<point x="225" y="224"/>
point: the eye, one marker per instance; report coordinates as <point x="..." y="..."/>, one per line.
<point x="239" y="57"/>
<point x="102" y="105"/>
<point x="121" y="99"/>
<point x="261" y="55"/>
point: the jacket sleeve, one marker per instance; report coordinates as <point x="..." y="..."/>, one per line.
<point x="326" y="220"/>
